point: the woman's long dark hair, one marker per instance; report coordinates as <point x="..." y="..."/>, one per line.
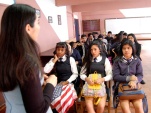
<point x="88" y="58"/>
<point x="19" y="53"/>
<point x="118" y="37"/>
<point x="130" y="43"/>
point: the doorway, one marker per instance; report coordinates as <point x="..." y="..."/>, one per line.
<point x="76" y="21"/>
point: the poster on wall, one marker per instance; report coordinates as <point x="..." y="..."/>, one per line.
<point x="50" y="19"/>
<point x="91" y="25"/>
<point x="59" y="19"/>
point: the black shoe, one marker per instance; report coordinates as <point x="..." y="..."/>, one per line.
<point x="142" y="82"/>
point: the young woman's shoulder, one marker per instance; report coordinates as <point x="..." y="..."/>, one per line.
<point x="71" y="58"/>
<point x="117" y="59"/>
<point x="138" y="44"/>
<point x="137" y="59"/>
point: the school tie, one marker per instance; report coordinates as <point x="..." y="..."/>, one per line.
<point x="95" y="59"/>
<point x="129" y="61"/>
<point x="60" y="59"/>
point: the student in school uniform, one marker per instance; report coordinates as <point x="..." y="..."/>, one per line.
<point x="96" y="62"/>
<point x="75" y="53"/>
<point x="128" y="69"/>
<point x="137" y="47"/>
<point x="63" y="66"/>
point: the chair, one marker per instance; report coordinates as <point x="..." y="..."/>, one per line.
<point x="2" y="108"/>
<point x="115" y="97"/>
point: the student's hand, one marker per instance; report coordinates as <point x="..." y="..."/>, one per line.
<point x="99" y="81"/>
<point x="52" y="79"/>
<point x="55" y="58"/>
<point x="133" y="78"/>
<point x="132" y="84"/>
<point x="77" y="62"/>
<point x="89" y="81"/>
<point x="64" y="83"/>
<point x="45" y="78"/>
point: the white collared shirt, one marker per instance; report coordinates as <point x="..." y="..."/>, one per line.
<point x="108" y="69"/>
<point x="49" y="66"/>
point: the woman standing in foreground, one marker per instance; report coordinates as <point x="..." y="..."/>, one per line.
<point x="20" y="73"/>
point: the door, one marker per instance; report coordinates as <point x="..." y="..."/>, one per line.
<point x="76" y="21"/>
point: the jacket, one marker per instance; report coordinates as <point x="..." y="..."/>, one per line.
<point x="123" y="69"/>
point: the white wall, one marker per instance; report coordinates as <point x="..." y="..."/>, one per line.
<point x="141" y="25"/>
<point x="49" y="9"/>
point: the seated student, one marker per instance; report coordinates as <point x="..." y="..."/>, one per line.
<point x="105" y="43"/>
<point x="75" y="53"/>
<point x="114" y="50"/>
<point x="128" y="68"/>
<point x="100" y="37"/>
<point x="103" y="46"/>
<point x="137" y="47"/>
<point x="90" y="39"/>
<point x="124" y="35"/>
<point x="82" y="46"/>
<point x="95" y="35"/>
<point x="109" y="37"/>
<point x="95" y="61"/>
<point x="63" y="65"/>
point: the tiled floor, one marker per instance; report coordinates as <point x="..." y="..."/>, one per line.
<point x="146" y="61"/>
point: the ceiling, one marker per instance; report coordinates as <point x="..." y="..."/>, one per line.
<point x="103" y="6"/>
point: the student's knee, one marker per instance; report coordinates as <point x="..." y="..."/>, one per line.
<point x="101" y="104"/>
<point x="101" y="107"/>
<point x="138" y="105"/>
<point x="125" y="105"/>
<point x="89" y="106"/>
<point x="89" y="102"/>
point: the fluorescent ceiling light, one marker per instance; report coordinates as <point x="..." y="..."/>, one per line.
<point x="8" y="2"/>
<point x="136" y="12"/>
